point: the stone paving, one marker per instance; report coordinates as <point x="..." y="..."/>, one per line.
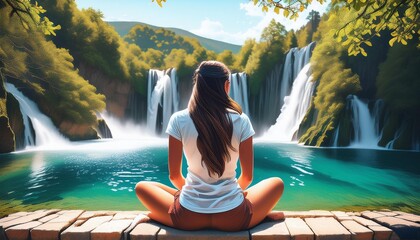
<point x="130" y="225"/>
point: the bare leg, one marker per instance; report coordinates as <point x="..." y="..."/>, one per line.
<point x="264" y="196"/>
<point x="164" y="187"/>
<point x="157" y="198"/>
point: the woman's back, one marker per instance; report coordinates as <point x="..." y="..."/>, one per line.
<point x="212" y="133"/>
<point x="203" y="192"/>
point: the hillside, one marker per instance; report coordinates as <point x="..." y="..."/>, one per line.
<point x="218" y="46"/>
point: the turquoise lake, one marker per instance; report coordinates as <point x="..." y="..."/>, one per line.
<point x="101" y="175"/>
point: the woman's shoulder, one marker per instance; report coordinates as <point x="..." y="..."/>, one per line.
<point x="238" y="118"/>
<point x="181" y="113"/>
<point x="181" y="116"/>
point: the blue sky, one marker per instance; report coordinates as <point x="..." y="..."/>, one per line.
<point x="231" y="21"/>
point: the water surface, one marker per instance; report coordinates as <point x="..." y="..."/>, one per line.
<point x="101" y="175"/>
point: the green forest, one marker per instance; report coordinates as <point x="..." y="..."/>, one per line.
<point x="83" y="66"/>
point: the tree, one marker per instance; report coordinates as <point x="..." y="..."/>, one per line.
<point x="399" y="17"/>
<point x="244" y="54"/>
<point x="314" y="19"/>
<point x="291" y="40"/>
<point x="30" y="15"/>
<point x="226" y="57"/>
<point x="274" y="32"/>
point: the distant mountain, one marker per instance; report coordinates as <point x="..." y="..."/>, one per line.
<point x="218" y="46"/>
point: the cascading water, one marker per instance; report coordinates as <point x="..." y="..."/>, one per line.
<point x="366" y="133"/>
<point x="294" y="108"/>
<point x="239" y="90"/>
<point x="295" y="60"/>
<point x="162" y="99"/>
<point x="46" y="134"/>
<point x="295" y="94"/>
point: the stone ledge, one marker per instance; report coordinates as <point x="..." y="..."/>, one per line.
<point x="130" y="225"/>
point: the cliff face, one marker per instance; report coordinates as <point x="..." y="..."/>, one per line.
<point x="116" y="91"/>
<point x="16" y="121"/>
<point x="7" y="137"/>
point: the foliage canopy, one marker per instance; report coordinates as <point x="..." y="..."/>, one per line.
<point x="399" y="17"/>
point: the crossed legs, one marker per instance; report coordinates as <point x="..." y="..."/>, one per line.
<point x="158" y="198"/>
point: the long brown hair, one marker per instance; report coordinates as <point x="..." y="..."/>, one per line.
<point x="208" y="108"/>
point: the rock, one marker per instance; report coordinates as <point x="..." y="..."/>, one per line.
<point x="175" y="234"/>
<point x="372" y="215"/>
<point x="52" y="229"/>
<point x="341" y="216"/>
<point x="103" y="129"/>
<point x="357" y="231"/>
<point x="409" y="217"/>
<point x="82" y="230"/>
<point x="270" y="230"/>
<point x="115" y="90"/>
<point x="7" y="137"/>
<point x="16" y="121"/>
<point x="145" y="231"/>
<point x="298" y="229"/>
<point x="77" y="132"/>
<point x="110" y="230"/>
<point x="26" y="218"/>
<point x="381" y="232"/>
<point x="405" y="229"/>
<point x="21" y="231"/>
<point x="328" y="228"/>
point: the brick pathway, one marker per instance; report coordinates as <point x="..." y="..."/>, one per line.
<point x="316" y="224"/>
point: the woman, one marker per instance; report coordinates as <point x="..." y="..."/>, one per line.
<point x="213" y="133"/>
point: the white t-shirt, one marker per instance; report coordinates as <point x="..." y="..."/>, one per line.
<point x="203" y="193"/>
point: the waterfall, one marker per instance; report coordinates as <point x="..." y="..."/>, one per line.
<point x="294" y="108"/>
<point x="295" y="60"/>
<point x="239" y="90"/>
<point x="366" y="133"/>
<point x="335" y="139"/>
<point x="124" y="130"/>
<point x="162" y="99"/>
<point x="46" y="134"/>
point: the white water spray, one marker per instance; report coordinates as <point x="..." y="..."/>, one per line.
<point x="365" y="131"/>
<point x="294" y="108"/>
<point x="46" y="134"/>
<point x="295" y="60"/>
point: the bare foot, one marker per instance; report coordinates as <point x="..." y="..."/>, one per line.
<point x="274" y="216"/>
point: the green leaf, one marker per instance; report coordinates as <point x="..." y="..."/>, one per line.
<point x="363" y="52"/>
<point x="392" y="41"/>
<point x="265" y="9"/>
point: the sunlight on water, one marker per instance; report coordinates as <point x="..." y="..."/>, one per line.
<point x="96" y="175"/>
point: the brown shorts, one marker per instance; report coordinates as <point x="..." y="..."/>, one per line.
<point x="232" y="220"/>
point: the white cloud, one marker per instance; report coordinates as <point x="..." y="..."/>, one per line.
<point x="215" y="30"/>
<point x="251" y="9"/>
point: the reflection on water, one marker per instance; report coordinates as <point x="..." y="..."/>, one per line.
<point x="301" y="161"/>
<point x="104" y="178"/>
